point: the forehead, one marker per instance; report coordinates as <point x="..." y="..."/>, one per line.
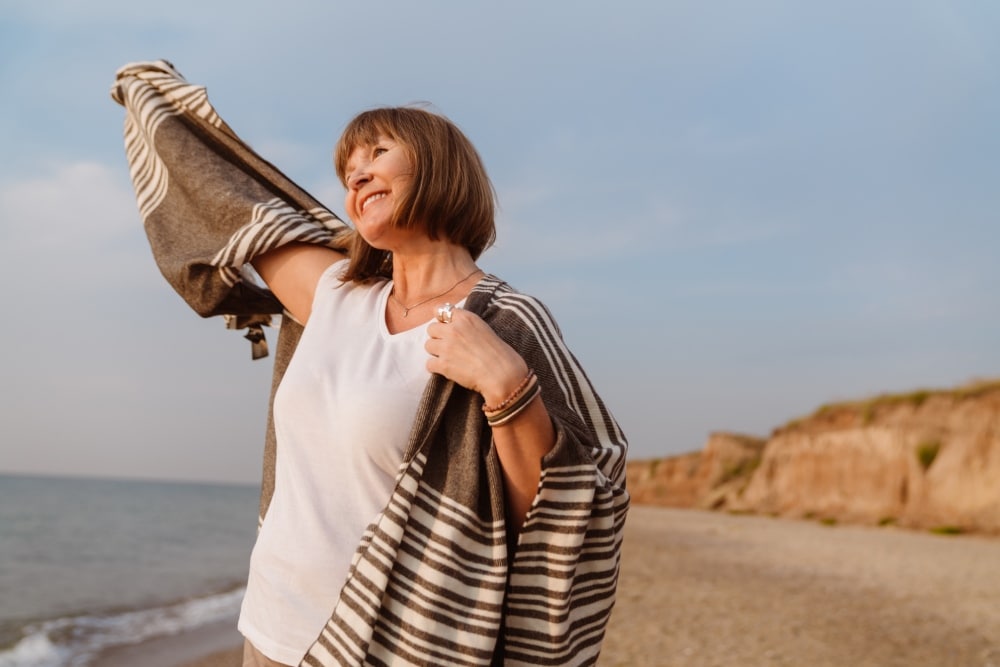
<point x="359" y="150"/>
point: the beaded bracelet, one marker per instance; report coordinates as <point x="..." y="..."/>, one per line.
<point x="513" y="395"/>
<point x="518" y="400"/>
<point x="516" y="408"/>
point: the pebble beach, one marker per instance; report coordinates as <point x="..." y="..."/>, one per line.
<point x="704" y="589"/>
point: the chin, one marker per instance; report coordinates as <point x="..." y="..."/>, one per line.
<point x="374" y="235"/>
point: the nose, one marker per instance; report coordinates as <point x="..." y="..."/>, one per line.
<point x="358" y="178"/>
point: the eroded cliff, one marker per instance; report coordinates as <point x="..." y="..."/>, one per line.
<point x="928" y="459"/>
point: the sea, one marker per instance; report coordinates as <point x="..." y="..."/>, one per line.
<point x="87" y="565"/>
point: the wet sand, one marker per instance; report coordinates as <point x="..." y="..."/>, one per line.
<point x="703" y="589"/>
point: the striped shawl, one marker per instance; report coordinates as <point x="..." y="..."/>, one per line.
<point x="435" y="580"/>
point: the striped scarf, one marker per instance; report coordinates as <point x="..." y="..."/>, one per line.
<point x="435" y="579"/>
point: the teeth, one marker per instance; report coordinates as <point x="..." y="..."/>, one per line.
<point x="374" y="197"/>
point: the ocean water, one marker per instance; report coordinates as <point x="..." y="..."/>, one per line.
<point x="88" y="564"/>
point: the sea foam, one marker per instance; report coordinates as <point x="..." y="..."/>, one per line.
<point x="73" y="641"/>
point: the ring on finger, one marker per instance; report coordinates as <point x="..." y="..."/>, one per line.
<point x="444" y="313"/>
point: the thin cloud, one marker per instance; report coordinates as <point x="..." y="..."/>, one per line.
<point x="73" y="202"/>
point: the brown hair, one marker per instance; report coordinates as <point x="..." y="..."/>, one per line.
<point x="451" y="196"/>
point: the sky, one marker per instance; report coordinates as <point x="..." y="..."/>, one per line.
<point x="737" y="211"/>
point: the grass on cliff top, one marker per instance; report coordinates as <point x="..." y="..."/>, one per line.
<point x="867" y="408"/>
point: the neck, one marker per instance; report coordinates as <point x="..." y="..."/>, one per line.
<point x="424" y="275"/>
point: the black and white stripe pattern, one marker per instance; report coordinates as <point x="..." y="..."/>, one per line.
<point x="432" y="584"/>
<point x="434" y="580"/>
<point x="273" y="224"/>
<point x="185" y="162"/>
<point x="426" y="587"/>
<point x="153" y="92"/>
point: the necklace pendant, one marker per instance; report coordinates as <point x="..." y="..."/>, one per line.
<point x="406" y="311"/>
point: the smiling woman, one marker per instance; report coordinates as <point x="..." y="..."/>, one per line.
<point x="448" y="475"/>
<point x="378" y="177"/>
<point x="446" y="188"/>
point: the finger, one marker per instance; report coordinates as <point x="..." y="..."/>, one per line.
<point x="437" y="323"/>
<point x="438" y="329"/>
<point x="433" y="347"/>
<point x="446" y="313"/>
<point x="434" y="365"/>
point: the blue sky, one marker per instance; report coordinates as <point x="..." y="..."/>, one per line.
<point x="737" y="211"/>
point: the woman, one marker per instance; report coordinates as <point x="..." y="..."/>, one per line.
<point x="352" y="389"/>
<point x="448" y="489"/>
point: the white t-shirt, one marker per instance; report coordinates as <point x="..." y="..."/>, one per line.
<point x="342" y="417"/>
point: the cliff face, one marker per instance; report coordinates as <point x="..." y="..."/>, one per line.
<point x="704" y="479"/>
<point x="927" y="459"/>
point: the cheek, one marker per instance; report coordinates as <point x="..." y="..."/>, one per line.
<point x="349" y="200"/>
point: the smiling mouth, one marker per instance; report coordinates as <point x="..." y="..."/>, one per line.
<point x="369" y="200"/>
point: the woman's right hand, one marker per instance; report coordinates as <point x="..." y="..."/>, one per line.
<point x="291" y="273"/>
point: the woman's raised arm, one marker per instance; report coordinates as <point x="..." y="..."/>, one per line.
<point x="291" y="273"/>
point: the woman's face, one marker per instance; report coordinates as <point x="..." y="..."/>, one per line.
<point x="377" y="176"/>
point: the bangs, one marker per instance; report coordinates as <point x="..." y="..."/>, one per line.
<point x="364" y="130"/>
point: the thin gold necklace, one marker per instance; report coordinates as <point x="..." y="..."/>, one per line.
<point x="407" y="309"/>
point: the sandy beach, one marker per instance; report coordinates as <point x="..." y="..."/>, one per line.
<point x="708" y="589"/>
<point x="705" y="589"/>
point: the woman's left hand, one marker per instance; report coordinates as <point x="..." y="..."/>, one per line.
<point x="467" y="351"/>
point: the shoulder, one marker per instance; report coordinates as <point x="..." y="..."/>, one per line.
<point x="331" y="282"/>
<point x="333" y="275"/>
<point x="292" y="273"/>
<point x="332" y="293"/>
<point x="510" y="311"/>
